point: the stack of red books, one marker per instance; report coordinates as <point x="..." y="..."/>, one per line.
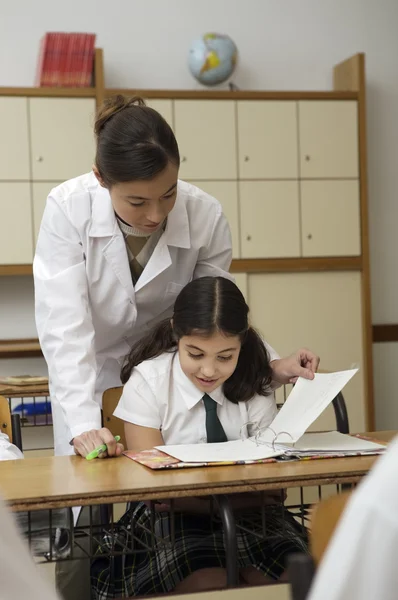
<point x="66" y="60"/>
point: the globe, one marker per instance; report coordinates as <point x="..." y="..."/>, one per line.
<point x="212" y="58"/>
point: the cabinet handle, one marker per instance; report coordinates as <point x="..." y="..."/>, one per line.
<point x="247" y="158"/>
<point x="309" y="236"/>
<point x="248" y="237"/>
<point x="183" y="159"/>
<point x="307" y="157"/>
<point x="39" y="159"/>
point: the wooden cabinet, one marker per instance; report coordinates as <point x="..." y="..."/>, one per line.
<point x="44" y="141"/>
<point x="206" y="134"/>
<point x="330" y="218"/>
<point x="164" y="107"/>
<point x="328" y="139"/>
<point x="321" y="311"/>
<point x="14" y="139"/>
<point x="269" y="219"/>
<point x="267" y="139"/>
<point x="62" y="138"/>
<point x="16" y="247"/>
<point x="226" y="193"/>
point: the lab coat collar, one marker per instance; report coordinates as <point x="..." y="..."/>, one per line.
<point x="191" y="394"/>
<point x="103" y="218"/>
<point x="104" y="223"/>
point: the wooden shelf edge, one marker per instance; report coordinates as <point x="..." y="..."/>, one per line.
<point x="253" y="265"/>
<point x="20" y="348"/>
<point x="51" y="92"/>
<point x="234" y="95"/>
<point x="16" y="270"/>
<point x="291" y="265"/>
<point x="385" y="333"/>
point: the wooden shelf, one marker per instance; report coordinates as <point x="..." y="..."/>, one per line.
<point x="23" y="348"/>
<point x="254" y="265"/>
<point x="16" y="270"/>
<point x="52" y="92"/>
<point x="291" y="265"/>
<point x="233" y="95"/>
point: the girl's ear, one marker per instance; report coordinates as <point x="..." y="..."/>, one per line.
<point x="98" y="176"/>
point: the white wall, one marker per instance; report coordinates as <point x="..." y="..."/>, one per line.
<point x="283" y="44"/>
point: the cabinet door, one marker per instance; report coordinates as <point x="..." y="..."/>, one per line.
<point x="163" y="106"/>
<point x="40" y="191"/>
<point x="320" y="311"/>
<point x="330" y="218"/>
<point x="241" y="282"/>
<point x="14" y="139"/>
<point x="328" y="132"/>
<point x="267" y="136"/>
<point x="226" y="193"/>
<point x="206" y="135"/>
<point x="62" y="138"/>
<point x="269" y="219"/>
<point x="16" y="247"/>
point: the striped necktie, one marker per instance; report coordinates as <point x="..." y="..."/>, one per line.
<point x="214" y="429"/>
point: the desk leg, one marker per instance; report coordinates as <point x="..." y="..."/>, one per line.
<point x="231" y="548"/>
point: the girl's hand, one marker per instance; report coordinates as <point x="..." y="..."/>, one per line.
<point x="88" y="441"/>
<point x="302" y="363"/>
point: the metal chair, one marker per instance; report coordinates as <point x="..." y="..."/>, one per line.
<point x="10" y="424"/>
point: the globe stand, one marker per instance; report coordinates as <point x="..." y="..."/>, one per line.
<point x="233" y="87"/>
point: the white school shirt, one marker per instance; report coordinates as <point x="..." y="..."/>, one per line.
<point x="360" y="562"/>
<point x="159" y="395"/>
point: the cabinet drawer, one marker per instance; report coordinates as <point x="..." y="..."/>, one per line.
<point x="14" y="139"/>
<point x="62" y="137"/>
<point x="16" y="244"/>
<point x="269" y="213"/>
<point x="328" y="139"/>
<point x="206" y="135"/>
<point x="330" y="218"/>
<point x="267" y="134"/>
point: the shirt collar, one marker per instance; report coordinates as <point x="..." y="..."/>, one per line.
<point x="191" y="394"/>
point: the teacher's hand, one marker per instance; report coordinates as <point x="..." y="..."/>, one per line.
<point x="302" y="363"/>
<point x="88" y="441"/>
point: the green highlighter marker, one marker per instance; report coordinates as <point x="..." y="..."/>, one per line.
<point x="95" y="453"/>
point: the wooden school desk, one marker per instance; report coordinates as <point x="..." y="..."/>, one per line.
<point x="57" y="482"/>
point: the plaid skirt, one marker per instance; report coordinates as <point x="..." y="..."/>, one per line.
<point x="151" y="564"/>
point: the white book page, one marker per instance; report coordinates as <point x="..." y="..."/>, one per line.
<point x="235" y="451"/>
<point x="334" y="441"/>
<point x="307" y="400"/>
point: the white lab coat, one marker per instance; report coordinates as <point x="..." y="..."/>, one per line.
<point x="88" y="314"/>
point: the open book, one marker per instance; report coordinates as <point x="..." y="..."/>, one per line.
<point x="284" y="437"/>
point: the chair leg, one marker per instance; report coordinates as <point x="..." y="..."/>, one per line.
<point x="16" y="431"/>
<point x="301" y="571"/>
<point x="231" y="548"/>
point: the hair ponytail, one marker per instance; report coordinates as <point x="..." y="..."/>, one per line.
<point x="134" y="142"/>
<point x="253" y="373"/>
<point x="157" y="341"/>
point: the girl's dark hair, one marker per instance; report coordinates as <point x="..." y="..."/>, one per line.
<point x="133" y="141"/>
<point x="203" y="307"/>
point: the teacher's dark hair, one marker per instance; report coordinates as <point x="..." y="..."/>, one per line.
<point x="134" y="142"/>
<point x="203" y="307"/>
